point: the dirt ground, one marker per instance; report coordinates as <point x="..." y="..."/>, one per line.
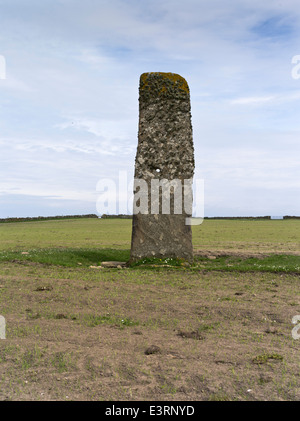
<point x="142" y="334"/>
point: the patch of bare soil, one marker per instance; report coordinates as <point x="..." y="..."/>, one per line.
<point x="147" y="335"/>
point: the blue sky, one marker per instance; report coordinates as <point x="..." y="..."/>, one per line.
<point x="69" y="102"/>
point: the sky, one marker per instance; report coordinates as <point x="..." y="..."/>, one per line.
<point x="69" y="77"/>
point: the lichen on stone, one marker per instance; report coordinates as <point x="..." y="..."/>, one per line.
<point x="163" y="85"/>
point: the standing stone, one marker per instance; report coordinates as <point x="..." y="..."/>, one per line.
<point x="165" y="153"/>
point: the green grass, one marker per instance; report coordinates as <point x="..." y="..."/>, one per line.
<point x="66" y="233"/>
<point x="92" y="320"/>
<point x="272" y="263"/>
<point x="82" y="333"/>
<point x="70" y="257"/>
<point x="93" y="257"/>
<point x="116" y="233"/>
<point x="264" y="358"/>
<point x="152" y="261"/>
<point x="30" y="358"/>
<point x="87" y="241"/>
<point x="62" y="362"/>
<point x="257" y="231"/>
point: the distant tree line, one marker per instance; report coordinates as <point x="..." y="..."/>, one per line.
<point x="123" y="216"/>
<point x="250" y="217"/>
<point x="237" y="217"/>
<point x="46" y="218"/>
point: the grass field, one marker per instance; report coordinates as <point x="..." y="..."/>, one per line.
<point x="258" y="235"/>
<point x="220" y="329"/>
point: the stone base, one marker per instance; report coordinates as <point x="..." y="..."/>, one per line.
<point x="161" y="236"/>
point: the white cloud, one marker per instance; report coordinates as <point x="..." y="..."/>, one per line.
<point x="113" y="138"/>
<point x="92" y="57"/>
<point x="252" y="100"/>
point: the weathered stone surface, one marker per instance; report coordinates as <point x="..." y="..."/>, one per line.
<point x="165" y="152"/>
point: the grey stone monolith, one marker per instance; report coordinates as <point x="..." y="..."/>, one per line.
<point x="164" y="169"/>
